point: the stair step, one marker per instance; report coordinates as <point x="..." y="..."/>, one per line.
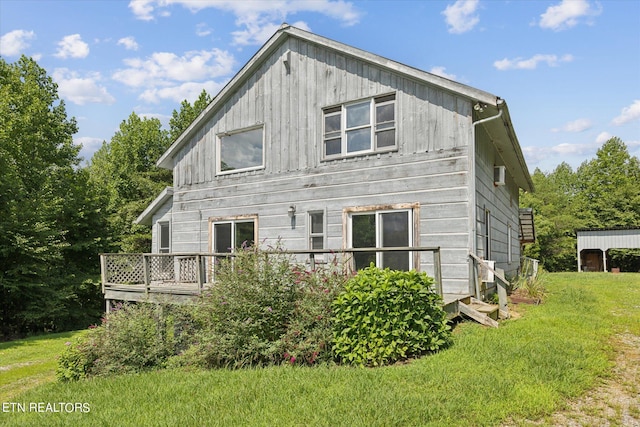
<point x="488" y="309"/>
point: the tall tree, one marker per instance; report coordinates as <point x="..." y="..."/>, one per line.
<point x="180" y="120"/>
<point x="603" y="192"/>
<point x="42" y="202"/>
<point x="609" y="193"/>
<point x="125" y="170"/>
<point x="555" y="217"/>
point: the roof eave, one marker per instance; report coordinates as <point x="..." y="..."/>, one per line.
<point x="146" y="217"/>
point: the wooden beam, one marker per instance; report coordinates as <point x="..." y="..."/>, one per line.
<point x="476" y="315"/>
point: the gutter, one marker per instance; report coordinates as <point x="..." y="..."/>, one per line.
<point x="472" y="192"/>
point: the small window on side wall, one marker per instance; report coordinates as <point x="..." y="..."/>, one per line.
<point x="164" y="241"/>
<point x="316" y="230"/>
<point x="240" y="151"/>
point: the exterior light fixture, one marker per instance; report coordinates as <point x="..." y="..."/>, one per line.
<point x="292" y="211"/>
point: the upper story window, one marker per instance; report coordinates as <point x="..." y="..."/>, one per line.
<point x="241" y="150"/>
<point x="360" y="127"/>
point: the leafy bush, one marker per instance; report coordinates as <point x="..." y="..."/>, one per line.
<point x="384" y="316"/>
<point x="264" y="310"/>
<point x="132" y="338"/>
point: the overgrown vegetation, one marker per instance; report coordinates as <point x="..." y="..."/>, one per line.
<point x="384" y="316"/>
<point x="264" y="312"/>
<point x="524" y="370"/>
<point x="261" y="312"/>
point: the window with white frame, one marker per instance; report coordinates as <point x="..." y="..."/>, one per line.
<point x="240" y="150"/>
<point x="360" y="127"/>
<point x="382" y="229"/>
<point x="229" y="234"/>
<point x="316" y="229"/>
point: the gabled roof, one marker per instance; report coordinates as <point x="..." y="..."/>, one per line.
<point x="493" y="103"/>
<point x="146" y="217"/>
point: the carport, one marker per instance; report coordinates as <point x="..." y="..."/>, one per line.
<point x="594" y="244"/>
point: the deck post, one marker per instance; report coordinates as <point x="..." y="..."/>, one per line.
<point x="147" y="273"/>
<point x="103" y="270"/>
<point x="312" y="260"/>
<point x="437" y="271"/>
<point x="199" y="271"/>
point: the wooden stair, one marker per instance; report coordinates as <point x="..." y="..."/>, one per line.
<point x="481" y="312"/>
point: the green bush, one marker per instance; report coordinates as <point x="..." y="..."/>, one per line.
<point x="265" y="310"/>
<point x="132" y="338"/>
<point x="384" y="316"/>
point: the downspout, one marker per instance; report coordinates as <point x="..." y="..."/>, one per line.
<point x="472" y="196"/>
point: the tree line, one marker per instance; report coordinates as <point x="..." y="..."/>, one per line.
<point x="57" y="215"/>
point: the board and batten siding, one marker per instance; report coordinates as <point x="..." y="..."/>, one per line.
<point x="430" y="166"/>
<point x="502" y="203"/>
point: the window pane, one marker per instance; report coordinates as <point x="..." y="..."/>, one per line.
<point x="317" y="242"/>
<point x="244" y="234"/>
<point x="164" y="238"/>
<point x="222" y="238"/>
<point x="363" y="235"/>
<point x="332" y="123"/>
<point x="358" y="114"/>
<point x="358" y="140"/>
<point x="317" y="222"/>
<point x="386" y="138"/>
<point x="332" y="147"/>
<point x="395" y="233"/>
<point x="241" y="150"/>
<point x="385" y="113"/>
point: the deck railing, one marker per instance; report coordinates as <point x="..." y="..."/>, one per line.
<point x="190" y="273"/>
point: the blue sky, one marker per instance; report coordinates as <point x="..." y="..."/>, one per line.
<point x="569" y="70"/>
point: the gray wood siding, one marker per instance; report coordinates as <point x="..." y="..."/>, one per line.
<point x="502" y="203"/>
<point x="437" y="181"/>
<point x="429" y="167"/>
<point x="289" y="104"/>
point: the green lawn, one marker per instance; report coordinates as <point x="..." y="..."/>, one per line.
<point x="526" y="369"/>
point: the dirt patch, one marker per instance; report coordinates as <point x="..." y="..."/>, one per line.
<point x="615" y="402"/>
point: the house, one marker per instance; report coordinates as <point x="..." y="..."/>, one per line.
<point x="321" y="145"/>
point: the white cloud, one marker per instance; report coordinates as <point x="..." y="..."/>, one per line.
<point x="628" y="114"/>
<point x="202" y="29"/>
<point x="567" y="14"/>
<point x="72" y="46"/>
<point x="578" y="125"/>
<point x="129" y="43"/>
<point x="531" y="63"/>
<point x="81" y="90"/>
<point x="440" y="71"/>
<point x="258" y="19"/>
<point x="15" y="42"/>
<point x="142" y="9"/>
<point x="461" y="16"/>
<point x="603" y="137"/>
<point x="575" y="149"/>
<point x="89" y="146"/>
<point x="189" y="91"/>
<point x="164" y="68"/>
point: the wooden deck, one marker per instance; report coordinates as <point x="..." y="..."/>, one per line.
<point x="181" y="278"/>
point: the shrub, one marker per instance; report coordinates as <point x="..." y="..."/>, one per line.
<point x="132" y="338"/>
<point x="307" y="340"/>
<point x="384" y="316"/>
<point x="265" y="310"/>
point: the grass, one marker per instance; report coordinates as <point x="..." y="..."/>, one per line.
<point x="27" y="363"/>
<point x="526" y="369"/>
